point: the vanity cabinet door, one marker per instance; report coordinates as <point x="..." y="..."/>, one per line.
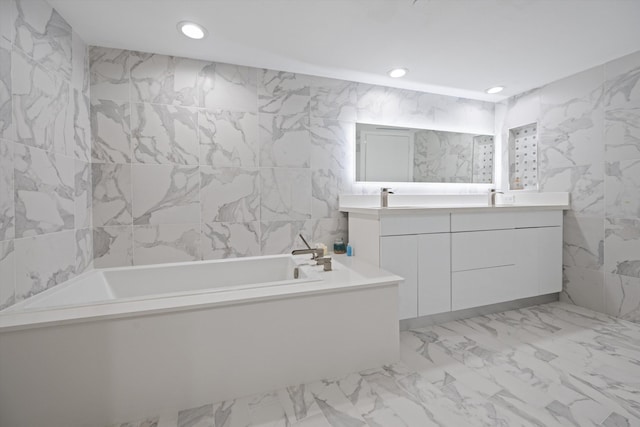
<point x="434" y="273"/>
<point x="539" y="261"/>
<point x="550" y="260"/>
<point x="399" y="255"/>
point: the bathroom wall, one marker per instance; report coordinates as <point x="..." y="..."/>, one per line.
<point x="197" y="160"/>
<point x="45" y="190"/>
<point x="589" y="145"/>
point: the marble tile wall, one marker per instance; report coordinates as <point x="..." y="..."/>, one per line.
<point x="589" y="129"/>
<point x="45" y="151"/>
<point x="197" y="160"/>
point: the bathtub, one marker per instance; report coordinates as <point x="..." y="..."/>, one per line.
<point x="170" y="280"/>
<point x="118" y="344"/>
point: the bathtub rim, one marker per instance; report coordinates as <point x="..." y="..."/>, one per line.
<point x="24" y="306"/>
<point x="350" y="274"/>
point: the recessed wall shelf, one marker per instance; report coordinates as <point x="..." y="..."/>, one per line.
<point x="523" y="157"/>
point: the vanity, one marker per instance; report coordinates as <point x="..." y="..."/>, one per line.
<point x="458" y="253"/>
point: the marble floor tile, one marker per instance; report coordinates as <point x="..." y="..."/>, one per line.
<point x="550" y="365"/>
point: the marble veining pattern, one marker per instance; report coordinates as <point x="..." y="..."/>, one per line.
<point x="7" y="274"/>
<point x="40" y="98"/>
<point x="549" y="365"/>
<point x="45" y="150"/>
<point x="286" y="194"/>
<point x="572" y="120"/>
<point x="43" y="34"/>
<point x="228" y="138"/>
<point x="622" y="240"/>
<point x="229" y="87"/>
<point x="109" y="73"/>
<point x="284" y="141"/>
<point x="113" y="246"/>
<point x="622" y="85"/>
<point x="111" y="188"/>
<point x="167" y="80"/>
<point x="165" y="134"/>
<point x="229" y="194"/>
<point x="230" y="239"/>
<point x="44" y="191"/>
<point x="6" y="120"/>
<point x="111" y="131"/>
<point x="7" y="213"/>
<point x="165" y="194"/>
<point x="283" y="93"/>
<point x="44" y="261"/>
<point x="155" y="244"/>
<point x="622" y="182"/>
<point x="583" y="241"/>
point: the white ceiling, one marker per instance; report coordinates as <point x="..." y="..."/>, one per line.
<point x="455" y="47"/>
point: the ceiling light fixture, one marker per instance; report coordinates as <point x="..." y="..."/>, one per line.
<point x="192" y="30"/>
<point x="495" y="89"/>
<point x="397" y="72"/>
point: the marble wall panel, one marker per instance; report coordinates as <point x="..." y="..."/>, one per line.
<point x="44" y="191"/>
<point x="7" y="210"/>
<point x="228" y="138"/>
<point x="44" y="261"/>
<point x="165" y="134"/>
<point x="45" y="149"/>
<point x="154" y="244"/>
<point x="165" y="194"/>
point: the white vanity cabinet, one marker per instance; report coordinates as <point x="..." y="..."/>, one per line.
<point x="423" y="261"/>
<point x="462" y="258"/>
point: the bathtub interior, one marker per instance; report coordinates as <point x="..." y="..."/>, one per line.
<point x="167" y="280"/>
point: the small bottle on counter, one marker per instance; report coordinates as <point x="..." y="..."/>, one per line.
<point x="349" y="249"/>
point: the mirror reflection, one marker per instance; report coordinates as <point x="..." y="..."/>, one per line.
<point x="400" y="154"/>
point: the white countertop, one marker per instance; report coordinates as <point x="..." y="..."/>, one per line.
<point x="349" y="273"/>
<point x="425" y="204"/>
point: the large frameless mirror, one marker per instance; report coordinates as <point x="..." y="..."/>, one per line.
<point x="401" y="154"/>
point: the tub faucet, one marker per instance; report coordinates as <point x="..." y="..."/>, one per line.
<point x="384" y="197"/>
<point x="316" y="252"/>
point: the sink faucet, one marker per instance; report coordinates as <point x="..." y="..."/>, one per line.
<point x="384" y="197"/>
<point x="492" y="196"/>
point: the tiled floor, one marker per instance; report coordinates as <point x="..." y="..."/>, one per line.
<point x="549" y="365"/>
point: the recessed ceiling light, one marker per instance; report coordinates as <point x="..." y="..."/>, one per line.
<point x="192" y="30"/>
<point x="495" y="89"/>
<point x="397" y="72"/>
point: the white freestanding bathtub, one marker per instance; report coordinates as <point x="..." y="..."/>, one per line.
<point x="120" y="344"/>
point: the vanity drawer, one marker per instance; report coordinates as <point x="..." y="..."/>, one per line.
<point x="482" y="249"/>
<point x="531" y="219"/>
<point x="475" y="288"/>
<point x="470" y="221"/>
<point x="414" y="224"/>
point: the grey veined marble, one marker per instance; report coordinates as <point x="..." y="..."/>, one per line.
<point x="550" y="365"/>
<point x="165" y="134"/>
<point x="44" y="191"/>
<point x="43" y="34"/>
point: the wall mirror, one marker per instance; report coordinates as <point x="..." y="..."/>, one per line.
<point x="401" y="154"/>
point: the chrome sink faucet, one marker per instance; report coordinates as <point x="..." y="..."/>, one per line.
<point x="384" y="197"/>
<point x="492" y="196"/>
